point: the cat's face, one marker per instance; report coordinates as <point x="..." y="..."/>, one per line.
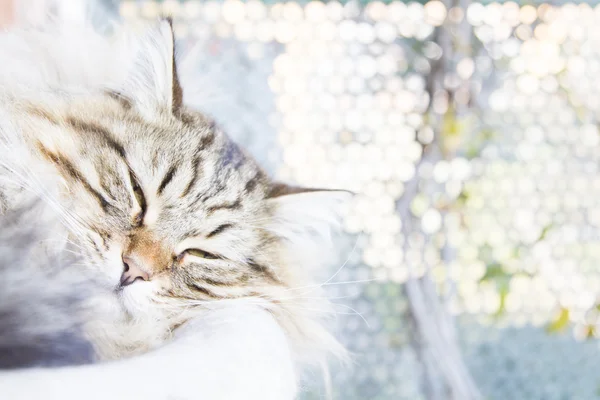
<point x="171" y="208"/>
<point x="159" y="200"/>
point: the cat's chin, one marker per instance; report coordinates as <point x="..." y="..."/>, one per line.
<point x="138" y="298"/>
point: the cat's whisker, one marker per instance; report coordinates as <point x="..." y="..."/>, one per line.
<point x="344" y="263"/>
<point x="331" y="312"/>
<point x="316" y="286"/>
<point x="278" y="298"/>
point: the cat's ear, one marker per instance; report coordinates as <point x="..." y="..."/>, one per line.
<point x="299" y="210"/>
<point x="152" y="81"/>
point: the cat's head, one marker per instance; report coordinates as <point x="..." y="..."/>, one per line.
<point x="163" y="202"/>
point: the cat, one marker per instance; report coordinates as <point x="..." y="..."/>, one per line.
<point x="196" y="257"/>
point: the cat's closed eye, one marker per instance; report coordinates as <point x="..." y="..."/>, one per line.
<point x="201" y="254"/>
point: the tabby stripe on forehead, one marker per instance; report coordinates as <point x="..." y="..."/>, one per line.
<point x="167" y="179"/>
<point x="205" y="142"/>
<point x="99" y="131"/>
<point x="215" y="187"/>
<point x="251" y="184"/>
<point x="66" y="166"/>
<point x="230" y="206"/>
<point x="190" y="185"/>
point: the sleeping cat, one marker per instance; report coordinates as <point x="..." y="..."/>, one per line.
<point x="196" y="256"/>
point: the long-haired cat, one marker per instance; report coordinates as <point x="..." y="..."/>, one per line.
<point x="196" y="257"/>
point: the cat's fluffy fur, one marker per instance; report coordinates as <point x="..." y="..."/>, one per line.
<point x="39" y="299"/>
<point x="96" y="128"/>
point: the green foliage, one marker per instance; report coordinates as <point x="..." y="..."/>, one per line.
<point x="452" y="126"/>
<point x="475" y="144"/>
<point x="495" y="274"/>
<point x="560" y="323"/>
<point x="464" y="196"/>
<point x="544" y="233"/>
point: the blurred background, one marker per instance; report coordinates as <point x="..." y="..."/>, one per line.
<point x="469" y="130"/>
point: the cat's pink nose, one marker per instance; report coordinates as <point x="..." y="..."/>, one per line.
<point x="132" y="272"/>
